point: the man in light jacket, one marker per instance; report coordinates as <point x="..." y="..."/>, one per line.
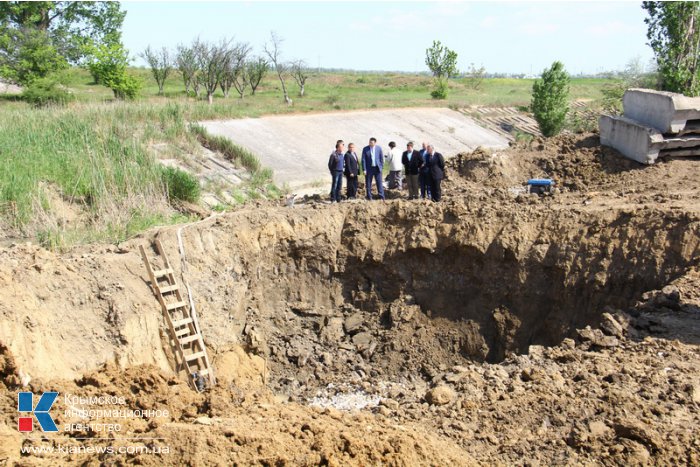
<point x="394" y="160"/>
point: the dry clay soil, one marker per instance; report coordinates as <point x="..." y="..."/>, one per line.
<point x="494" y="327"/>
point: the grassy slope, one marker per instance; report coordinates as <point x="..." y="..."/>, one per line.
<point x="95" y="152"/>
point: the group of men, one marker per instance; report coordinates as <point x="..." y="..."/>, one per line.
<point x="424" y="170"/>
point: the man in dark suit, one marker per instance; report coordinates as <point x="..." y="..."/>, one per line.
<point x="372" y="164"/>
<point x="352" y="170"/>
<point x="412" y="160"/>
<point x="336" y="161"/>
<point x="424" y="173"/>
<point x="436" y="166"/>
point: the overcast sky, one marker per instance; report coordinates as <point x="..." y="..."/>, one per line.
<point x="516" y="37"/>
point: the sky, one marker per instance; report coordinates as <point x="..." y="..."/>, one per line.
<point x="504" y="37"/>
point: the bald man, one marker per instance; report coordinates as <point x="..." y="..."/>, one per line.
<point x="436" y="167"/>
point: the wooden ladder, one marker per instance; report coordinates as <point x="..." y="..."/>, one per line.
<point x="182" y="324"/>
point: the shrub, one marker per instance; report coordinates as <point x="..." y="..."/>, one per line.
<point x="550" y="96"/>
<point x="582" y="121"/>
<point x="124" y="86"/>
<point x="181" y="185"/>
<point x="440" y="91"/>
<point x="332" y="98"/>
<point x="47" y="91"/>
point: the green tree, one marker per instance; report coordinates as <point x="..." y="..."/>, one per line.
<point x="37" y="38"/>
<point x="108" y="65"/>
<point x="673" y="30"/>
<point x="27" y="55"/>
<point x="442" y="62"/>
<point x="550" y="99"/>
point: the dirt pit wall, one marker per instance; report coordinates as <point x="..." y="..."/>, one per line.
<point x="485" y="281"/>
<point x="401" y="289"/>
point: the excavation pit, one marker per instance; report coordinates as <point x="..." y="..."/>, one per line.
<point x="399" y="291"/>
<point x="408" y="332"/>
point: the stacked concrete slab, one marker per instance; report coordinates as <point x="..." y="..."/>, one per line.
<point x="654" y="124"/>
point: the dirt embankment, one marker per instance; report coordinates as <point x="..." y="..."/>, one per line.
<point x="431" y="316"/>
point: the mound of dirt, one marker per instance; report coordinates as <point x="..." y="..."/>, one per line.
<point x="228" y="425"/>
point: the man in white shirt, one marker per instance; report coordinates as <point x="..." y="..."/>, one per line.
<point x="395" y="167"/>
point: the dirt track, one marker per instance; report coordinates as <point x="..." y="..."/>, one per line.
<point x="493" y="327"/>
<point x="297" y="147"/>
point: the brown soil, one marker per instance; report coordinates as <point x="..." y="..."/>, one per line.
<point x="494" y="327"/>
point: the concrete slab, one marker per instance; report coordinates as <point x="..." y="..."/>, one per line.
<point x="297" y="147"/>
<point x="632" y="139"/>
<point x="642" y="143"/>
<point x="668" y="112"/>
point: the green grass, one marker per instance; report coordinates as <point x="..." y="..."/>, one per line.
<point x="327" y="91"/>
<point x="92" y="155"/>
<point x="95" y="152"/>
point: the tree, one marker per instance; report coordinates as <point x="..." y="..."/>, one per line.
<point x="108" y="63"/>
<point x="234" y="69"/>
<point x="51" y="34"/>
<point x="673" y="30"/>
<point x="300" y="73"/>
<point x="442" y="62"/>
<point x="635" y="75"/>
<point x="475" y="76"/>
<point x="186" y="61"/>
<point x="27" y="55"/>
<point x="212" y="60"/>
<point x="272" y="49"/>
<point x="255" y="71"/>
<point x="550" y="102"/>
<point x="240" y="80"/>
<point x="161" y="65"/>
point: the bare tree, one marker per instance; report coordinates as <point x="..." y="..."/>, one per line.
<point x="161" y="64"/>
<point x="212" y="60"/>
<point x="234" y="69"/>
<point x="255" y="71"/>
<point x="240" y="80"/>
<point x="300" y="73"/>
<point x="186" y="61"/>
<point x="272" y="50"/>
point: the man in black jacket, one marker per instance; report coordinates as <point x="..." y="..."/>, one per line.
<point x="336" y="163"/>
<point x="412" y="161"/>
<point x="352" y="170"/>
<point x="436" y="166"/>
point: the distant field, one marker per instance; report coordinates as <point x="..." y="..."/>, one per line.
<point x="336" y="91"/>
<point x="95" y="158"/>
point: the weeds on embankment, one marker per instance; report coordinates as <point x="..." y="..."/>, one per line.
<point x="93" y="159"/>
